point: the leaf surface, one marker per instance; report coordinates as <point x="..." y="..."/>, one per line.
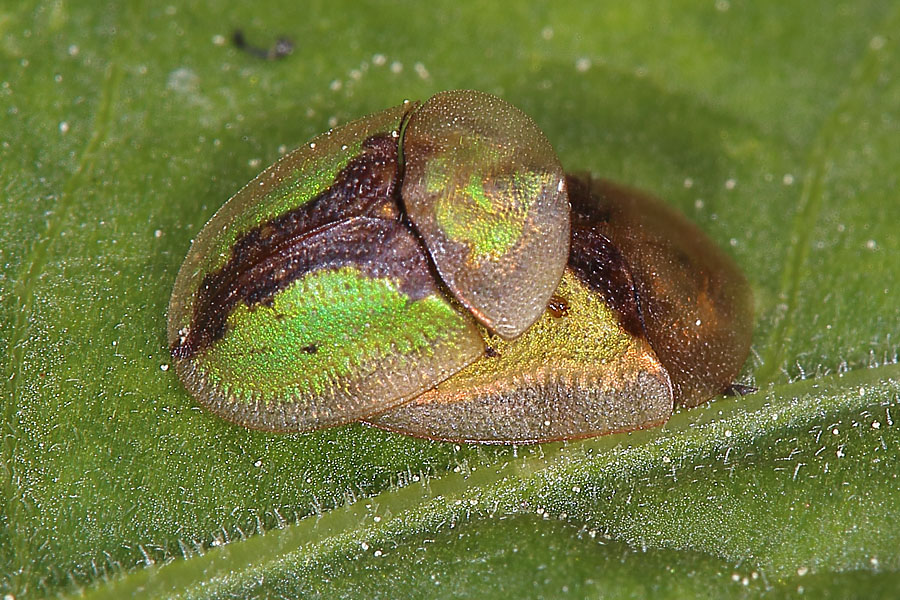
<point x="771" y="125"/>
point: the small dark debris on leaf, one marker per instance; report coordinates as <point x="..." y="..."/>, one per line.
<point x="282" y="48"/>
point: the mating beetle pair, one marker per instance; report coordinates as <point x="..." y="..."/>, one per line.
<point x="431" y="269"/>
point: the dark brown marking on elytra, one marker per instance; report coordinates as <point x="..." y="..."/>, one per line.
<point x="363" y="187"/>
<point x="597" y="262"/>
<point x="694" y="303"/>
<point x="379" y="248"/>
<point x="558" y="306"/>
<point x="491" y="352"/>
<point x="316" y="235"/>
<point x="309" y="349"/>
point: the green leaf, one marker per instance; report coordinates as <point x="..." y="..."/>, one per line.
<point x="772" y="125"/>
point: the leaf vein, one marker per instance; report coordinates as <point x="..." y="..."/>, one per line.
<point x="23" y="296"/>
<point x="810" y="205"/>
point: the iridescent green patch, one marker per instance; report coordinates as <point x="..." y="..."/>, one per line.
<point x="326" y="327"/>
<point x="489" y="229"/>
<point x="484" y="189"/>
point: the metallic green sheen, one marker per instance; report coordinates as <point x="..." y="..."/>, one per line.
<point x="352" y="321"/>
<point x="294" y="180"/>
<point x="485" y="192"/>
<point x="488" y="228"/>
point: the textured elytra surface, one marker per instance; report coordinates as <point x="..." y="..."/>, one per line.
<point x="571" y="376"/>
<point x="267" y="257"/>
<point x="695" y="305"/>
<point x="318" y="320"/>
<point x="255" y="344"/>
<point x="246" y="229"/>
<point x="261" y="342"/>
<point x="486" y="191"/>
<point x="663" y="318"/>
<point x="771" y="125"/>
<point x="325" y="313"/>
<point x="342" y="341"/>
